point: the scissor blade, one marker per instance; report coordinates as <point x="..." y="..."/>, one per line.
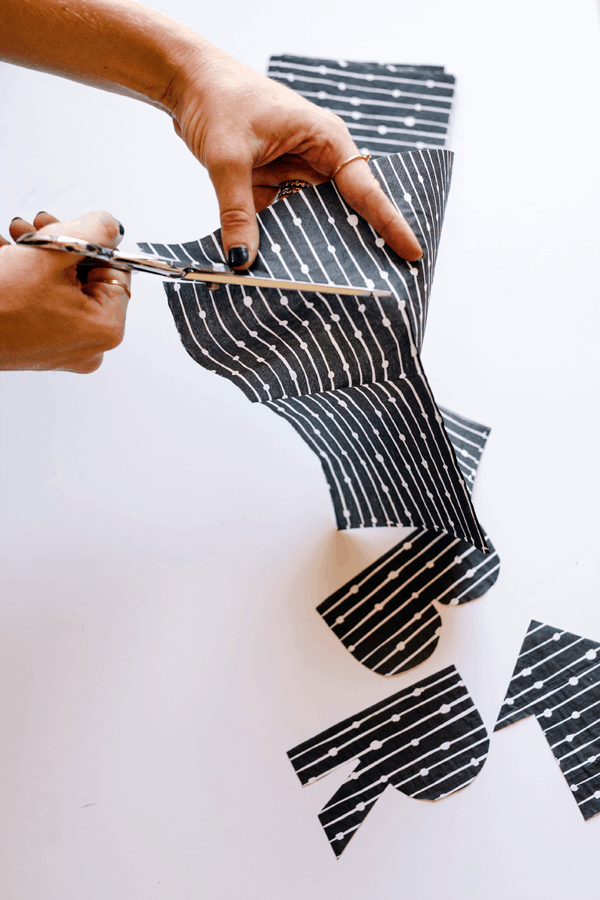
<point x="210" y="273"/>
<point x="252" y="281"/>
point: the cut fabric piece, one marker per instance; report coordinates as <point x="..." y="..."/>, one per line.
<point x="387" y="108"/>
<point x="468" y="439"/>
<point x="557" y="680"/>
<point x="314" y="236"/>
<point x="380" y="450"/>
<point x="427" y="741"/>
<point x="385" y="615"/>
<point x="341" y="364"/>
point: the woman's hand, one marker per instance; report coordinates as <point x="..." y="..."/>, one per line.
<point x="49" y="318"/>
<point x="252" y="133"/>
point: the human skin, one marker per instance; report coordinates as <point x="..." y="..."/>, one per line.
<point x="249" y="132"/>
<point x="49" y="317"/>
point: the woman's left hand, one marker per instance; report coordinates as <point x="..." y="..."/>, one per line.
<point x="54" y="314"/>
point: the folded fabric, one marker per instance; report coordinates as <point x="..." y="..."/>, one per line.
<point x="385" y="616"/>
<point x="345" y="371"/>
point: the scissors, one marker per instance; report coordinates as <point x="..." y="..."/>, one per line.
<point x="213" y="274"/>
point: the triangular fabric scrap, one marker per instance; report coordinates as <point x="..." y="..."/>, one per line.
<point x="385" y="615"/>
<point x="557" y="680"/>
<point x="427" y="741"/>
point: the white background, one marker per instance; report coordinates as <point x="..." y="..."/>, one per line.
<point x="165" y="542"/>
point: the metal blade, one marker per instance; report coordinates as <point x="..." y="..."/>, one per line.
<point x="251" y="281"/>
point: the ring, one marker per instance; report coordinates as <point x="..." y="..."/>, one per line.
<point x="290" y="187"/>
<point x="365" y="156"/>
<point x="113" y="281"/>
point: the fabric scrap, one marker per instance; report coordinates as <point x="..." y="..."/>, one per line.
<point x="428" y="741"/>
<point x="557" y="680"/>
<point x="387" y="108"/>
<point x="385" y="616"/>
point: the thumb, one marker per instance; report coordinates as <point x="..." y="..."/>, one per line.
<point x="232" y="180"/>
<point x="95" y="227"/>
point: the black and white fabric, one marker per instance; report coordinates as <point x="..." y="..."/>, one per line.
<point x="344" y="371"/>
<point x="387" y="108"/>
<point x="385" y="616"/>
<point x="557" y="680"/>
<point x="427" y="741"/>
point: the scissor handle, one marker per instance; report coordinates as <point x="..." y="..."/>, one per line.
<point x="70" y="244"/>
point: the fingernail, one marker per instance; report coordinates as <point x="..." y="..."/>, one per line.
<point x="238" y="256"/>
<point x="42" y="212"/>
<point x="121" y="228"/>
<point x="16" y="219"/>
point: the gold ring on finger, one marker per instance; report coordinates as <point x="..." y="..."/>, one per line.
<point x="365" y="156"/>
<point x="112" y="281"/>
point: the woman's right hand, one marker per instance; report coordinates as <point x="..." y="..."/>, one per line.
<point x="49" y="318"/>
<point x="252" y="134"/>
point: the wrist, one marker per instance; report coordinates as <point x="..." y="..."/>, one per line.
<point x="187" y="60"/>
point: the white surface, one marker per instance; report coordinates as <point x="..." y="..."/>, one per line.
<point x="165" y="542"/>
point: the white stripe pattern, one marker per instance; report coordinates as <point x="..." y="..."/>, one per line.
<point x="345" y="372"/>
<point x="427" y="741"/>
<point x="387" y="108"/>
<point x="385" y="615"/>
<point x="557" y="679"/>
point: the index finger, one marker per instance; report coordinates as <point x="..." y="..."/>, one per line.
<point x="361" y="190"/>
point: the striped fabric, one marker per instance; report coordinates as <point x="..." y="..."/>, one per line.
<point x="344" y="371"/>
<point x="427" y="741"/>
<point x="385" y="615"/>
<point x="387" y="108"/>
<point x="557" y="680"/>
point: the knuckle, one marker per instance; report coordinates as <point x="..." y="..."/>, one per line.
<point x="225" y="162"/>
<point x="111" y="337"/>
<point x="109" y="223"/>
<point x="360" y="203"/>
<point x="106" y="331"/>
<point x="337" y="120"/>
<point x="235" y="218"/>
<point x="87" y="365"/>
<point x="373" y="192"/>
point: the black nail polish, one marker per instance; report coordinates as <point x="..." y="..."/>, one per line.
<point x="42" y="212"/>
<point x="238" y="256"/>
<point x="121" y="228"/>
<point x="16" y="218"/>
